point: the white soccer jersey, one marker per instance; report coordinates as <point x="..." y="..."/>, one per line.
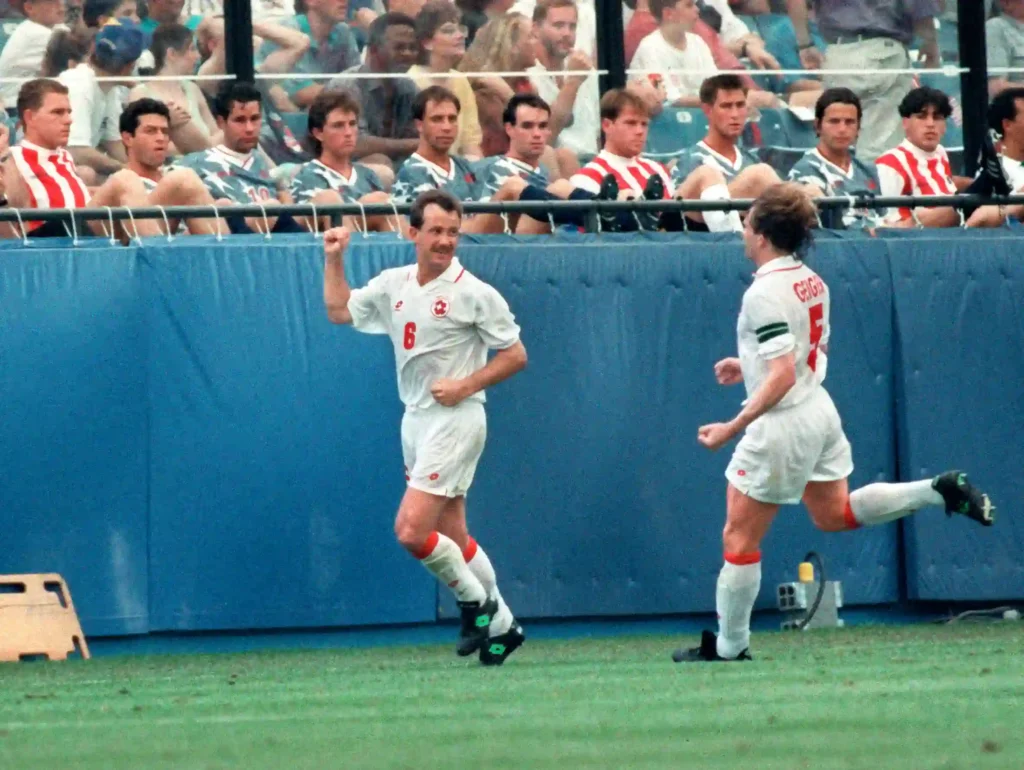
<point x="785" y="310"/>
<point x="441" y="330"/>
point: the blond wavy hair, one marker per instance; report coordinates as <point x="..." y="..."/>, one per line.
<point x="496" y="45"/>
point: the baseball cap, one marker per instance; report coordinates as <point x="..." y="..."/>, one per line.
<point x="118" y="43"/>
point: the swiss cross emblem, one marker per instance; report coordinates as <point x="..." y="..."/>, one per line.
<point x="440" y="307"/>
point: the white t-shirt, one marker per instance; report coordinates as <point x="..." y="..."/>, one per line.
<point x="785" y="310"/>
<point x="1014" y="172"/>
<point x="94" y="112"/>
<point x="585" y="132"/>
<point x="443" y="329"/>
<point x="22" y="56"/>
<point x="694" y="64"/>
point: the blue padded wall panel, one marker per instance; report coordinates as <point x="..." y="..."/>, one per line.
<point x="960" y="317"/>
<point x="73" y="443"/>
<point x="276" y="460"/>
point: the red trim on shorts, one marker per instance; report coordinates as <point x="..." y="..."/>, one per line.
<point x="459" y="275"/>
<point x="849" y="518"/>
<point x="469" y="551"/>
<point x="428" y="546"/>
<point x="743" y="559"/>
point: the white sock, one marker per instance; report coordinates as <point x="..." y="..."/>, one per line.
<point x="480" y="565"/>
<point x="720" y="221"/>
<point x="443" y="559"/>
<point x="738" y="585"/>
<point x="881" y="503"/>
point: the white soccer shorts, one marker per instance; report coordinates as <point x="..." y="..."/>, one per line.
<point x="441" y="447"/>
<point x="783" y="450"/>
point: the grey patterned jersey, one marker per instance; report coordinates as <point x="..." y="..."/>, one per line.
<point x="418" y="175"/>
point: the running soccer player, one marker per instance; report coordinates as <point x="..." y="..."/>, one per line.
<point x="794" y="447"/>
<point x="442" y="320"/>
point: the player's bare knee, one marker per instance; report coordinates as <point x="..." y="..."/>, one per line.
<point x="828" y="520"/>
<point x="409" y="535"/>
<point x="375" y="197"/>
<point x="326" y="198"/>
<point x="739" y="539"/>
<point x="126" y="182"/>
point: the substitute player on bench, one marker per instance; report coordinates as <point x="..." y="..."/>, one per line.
<point x="442" y="320"/>
<point x="794" y="447"/>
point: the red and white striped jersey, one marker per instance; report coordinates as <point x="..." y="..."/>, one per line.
<point x="631" y="173"/>
<point x="50" y="177"/>
<point x="909" y="170"/>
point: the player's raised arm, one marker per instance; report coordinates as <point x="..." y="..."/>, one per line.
<point x="336" y="288"/>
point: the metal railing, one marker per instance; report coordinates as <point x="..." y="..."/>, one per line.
<point x="73" y="218"/>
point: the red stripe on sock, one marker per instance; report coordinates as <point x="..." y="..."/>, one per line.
<point x="849" y="518"/>
<point x="428" y="546"/>
<point x="742" y="559"/>
<point x="469" y="551"/>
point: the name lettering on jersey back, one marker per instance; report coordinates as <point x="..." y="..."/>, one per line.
<point x="809" y="288"/>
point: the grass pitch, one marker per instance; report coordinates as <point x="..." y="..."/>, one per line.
<point x="882" y="698"/>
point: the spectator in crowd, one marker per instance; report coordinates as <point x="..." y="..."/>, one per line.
<point x="387" y="128"/>
<point x="586" y="27"/>
<point x="167" y="12"/>
<point x="642" y="23"/>
<point x="619" y="171"/>
<point x="290" y="46"/>
<point x="673" y="46"/>
<point x="22" y="55"/>
<point x="66" y="50"/>
<point x="175" y="55"/>
<point x="332" y="48"/>
<point x="236" y="171"/>
<point x="442" y="42"/>
<point x="333" y="177"/>
<point x="563" y="76"/>
<point x="96" y="13"/>
<point x="870" y="35"/>
<point x="40" y="173"/>
<point x="717" y="168"/>
<point x="831" y="168"/>
<point x="436" y="111"/>
<point x="1004" y="42"/>
<point x="476" y="13"/>
<point x="919" y="164"/>
<point x="505" y="44"/>
<point x="96" y="107"/>
<point x="145" y="128"/>
<point x="740" y="40"/>
<point x="410" y="8"/>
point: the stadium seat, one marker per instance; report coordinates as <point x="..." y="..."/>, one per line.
<point x="675" y="129"/>
<point x="782" y="159"/>
<point x="768" y="130"/>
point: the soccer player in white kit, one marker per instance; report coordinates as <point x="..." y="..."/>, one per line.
<point x="793" y="447"/>
<point x="442" y="321"/>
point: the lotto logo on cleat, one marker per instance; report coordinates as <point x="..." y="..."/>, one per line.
<point x="440" y="307"/>
<point x="483" y="621"/>
<point x="496" y="649"/>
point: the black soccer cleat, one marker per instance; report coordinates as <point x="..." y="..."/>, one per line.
<point x="654" y="190"/>
<point x="476" y="620"/>
<point x="499" y="647"/>
<point x="992" y="166"/>
<point x="962" y="497"/>
<point x="707" y="652"/>
<point x="609" y="192"/>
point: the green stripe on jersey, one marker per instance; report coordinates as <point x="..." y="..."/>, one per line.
<point x="772" y="334"/>
<point x="771" y="327"/>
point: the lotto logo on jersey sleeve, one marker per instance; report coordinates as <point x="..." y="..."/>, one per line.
<point x="440" y="307"/>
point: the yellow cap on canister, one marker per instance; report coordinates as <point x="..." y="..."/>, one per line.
<point x="806" y="572"/>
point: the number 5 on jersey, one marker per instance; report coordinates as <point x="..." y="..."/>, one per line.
<point x="410" y="336"/>
<point x="817" y="314"/>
